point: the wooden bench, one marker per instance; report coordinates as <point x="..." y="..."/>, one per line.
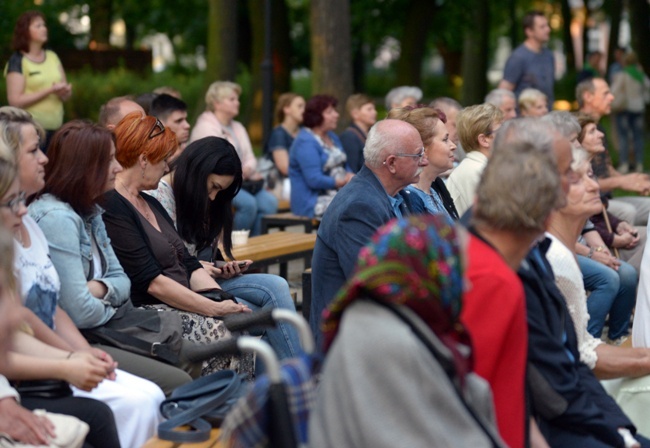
<point x="284" y="220"/>
<point x="277" y="247"/>
<point x="213" y="442"/>
<point x="284" y="205"/>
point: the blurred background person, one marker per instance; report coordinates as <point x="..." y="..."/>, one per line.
<point x="403" y="96"/>
<point x="36" y="80"/>
<point x="361" y="110"/>
<point x="532" y="103"/>
<point x="317" y="163"/>
<point x="253" y="201"/>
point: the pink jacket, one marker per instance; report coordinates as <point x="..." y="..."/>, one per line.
<point x="207" y="125"/>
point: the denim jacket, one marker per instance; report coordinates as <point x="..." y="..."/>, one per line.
<point x="68" y="237"/>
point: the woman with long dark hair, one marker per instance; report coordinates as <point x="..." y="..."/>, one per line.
<point x="205" y="179"/>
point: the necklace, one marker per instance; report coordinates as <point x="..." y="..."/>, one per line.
<point x="143" y="210"/>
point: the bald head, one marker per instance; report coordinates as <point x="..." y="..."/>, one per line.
<point x="117" y="108"/>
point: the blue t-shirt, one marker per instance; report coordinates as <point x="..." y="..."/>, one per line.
<point x="525" y="69"/>
<point x="280" y="139"/>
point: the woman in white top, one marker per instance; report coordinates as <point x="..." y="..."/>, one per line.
<point x="631" y="365"/>
<point x="476" y="126"/>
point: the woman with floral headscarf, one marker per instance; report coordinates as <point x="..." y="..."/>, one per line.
<point x="397" y="351"/>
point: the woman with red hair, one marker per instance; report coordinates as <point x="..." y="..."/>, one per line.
<point x="36" y="80"/>
<point x="163" y="274"/>
<point x="317" y="162"/>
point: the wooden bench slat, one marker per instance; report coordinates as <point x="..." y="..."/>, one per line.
<point x="274" y="245"/>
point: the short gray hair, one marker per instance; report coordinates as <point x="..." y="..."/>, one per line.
<point x="584" y="86"/>
<point x="496" y="96"/>
<point x="399" y="94"/>
<point x="564" y="122"/>
<point x="444" y="102"/>
<point x="518" y="189"/>
<point x="539" y="133"/>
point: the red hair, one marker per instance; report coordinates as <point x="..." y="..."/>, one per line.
<point x="22" y="37"/>
<point x="79" y="155"/>
<point x="136" y="136"/>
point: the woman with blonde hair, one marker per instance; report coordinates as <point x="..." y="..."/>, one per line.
<point x="476" y="127"/>
<point x="253" y="201"/>
<point x="532" y="103"/>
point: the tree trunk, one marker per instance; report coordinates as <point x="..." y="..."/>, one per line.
<point x="615" y="8"/>
<point x="100" y="19"/>
<point x="256" y="9"/>
<point x="221" y="47"/>
<point x="413" y="45"/>
<point x="569" y="51"/>
<point x="475" y="54"/>
<point x="639" y="15"/>
<point x="281" y="48"/>
<point x="331" y="58"/>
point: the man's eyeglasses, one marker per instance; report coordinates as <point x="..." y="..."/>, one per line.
<point x="415" y="156"/>
<point x="15" y="203"/>
<point x="157" y="129"/>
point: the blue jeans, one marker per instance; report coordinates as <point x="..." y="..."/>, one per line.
<point x="612" y="292"/>
<point x="249" y="210"/>
<point x="629" y="126"/>
<point x="265" y="291"/>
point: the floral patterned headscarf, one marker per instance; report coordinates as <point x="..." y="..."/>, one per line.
<point x="414" y="262"/>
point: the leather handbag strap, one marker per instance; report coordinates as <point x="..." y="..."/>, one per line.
<point x="155" y="350"/>
<point x="205" y="395"/>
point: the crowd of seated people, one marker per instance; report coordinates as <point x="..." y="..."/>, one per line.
<point x="500" y="289"/>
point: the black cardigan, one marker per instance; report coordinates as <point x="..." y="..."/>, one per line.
<point x="132" y="245"/>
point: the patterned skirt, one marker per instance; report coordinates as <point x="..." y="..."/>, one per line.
<point x="206" y="330"/>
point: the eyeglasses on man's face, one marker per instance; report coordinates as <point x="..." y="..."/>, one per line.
<point x="15" y="203"/>
<point x="415" y="156"/>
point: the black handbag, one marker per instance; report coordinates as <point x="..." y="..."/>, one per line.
<point x="200" y="404"/>
<point x="43" y="389"/>
<point x="156" y="334"/>
<point x="253" y="186"/>
<point x="217" y="295"/>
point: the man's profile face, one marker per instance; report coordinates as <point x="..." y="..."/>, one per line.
<point x="177" y="122"/>
<point x="540" y="31"/>
<point x="601" y="99"/>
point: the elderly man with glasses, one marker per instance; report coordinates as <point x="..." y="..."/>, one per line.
<point x="394" y="158"/>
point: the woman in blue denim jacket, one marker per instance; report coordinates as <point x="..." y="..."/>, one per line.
<point x="93" y="283"/>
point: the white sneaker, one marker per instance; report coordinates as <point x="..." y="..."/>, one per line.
<point x="624" y="168"/>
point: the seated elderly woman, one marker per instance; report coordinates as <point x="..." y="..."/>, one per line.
<point x="163" y="274"/>
<point x="253" y="200"/>
<point x="317" y="162"/>
<point x="403" y="96"/>
<point x="607" y="361"/>
<point x="611" y="282"/>
<point x="532" y="103"/>
<point x="476" y="127"/>
<point x="439" y="150"/>
<point x="406" y="292"/>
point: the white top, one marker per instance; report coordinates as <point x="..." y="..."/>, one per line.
<point x="464" y="179"/>
<point x="641" y="327"/>
<point x="38" y="280"/>
<point x="568" y="279"/>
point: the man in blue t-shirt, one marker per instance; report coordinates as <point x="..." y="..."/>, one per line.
<point x="531" y="64"/>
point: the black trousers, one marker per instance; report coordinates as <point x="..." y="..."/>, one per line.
<point x="103" y="432"/>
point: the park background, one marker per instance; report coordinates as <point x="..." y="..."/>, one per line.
<point x="451" y="48"/>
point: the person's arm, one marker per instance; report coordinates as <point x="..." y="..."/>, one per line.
<point x="281" y="160"/>
<point x="178" y="296"/>
<point x="248" y="160"/>
<point x="19" y="423"/>
<point x="65" y="92"/>
<point x="16" y="95"/>
<point x="89" y="304"/>
<point x="636" y="182"/>
<point x="503" y="84"/>
<point x="31" y="359"/>
<point x="307" y="155"/>
<point x="620" y="362"/>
